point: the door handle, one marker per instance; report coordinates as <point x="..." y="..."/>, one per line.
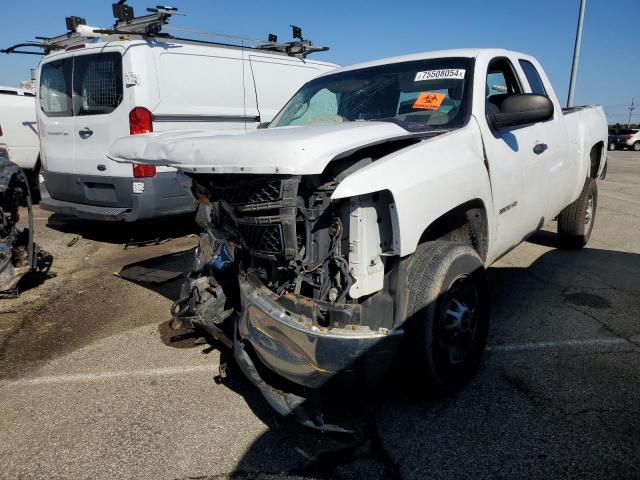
<point x="539" y="148"/>
<point x="86" y="132"/>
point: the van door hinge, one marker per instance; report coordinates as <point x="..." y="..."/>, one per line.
<point x="131" y="79"/>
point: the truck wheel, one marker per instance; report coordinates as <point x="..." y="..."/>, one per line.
<point x="448" y="314"/>
<point x="575" y="222"/>
<point x="636" y="147"/>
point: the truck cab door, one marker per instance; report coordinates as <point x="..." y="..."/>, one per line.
<point x="555" y="168"/>
<point x="511" y="158"/>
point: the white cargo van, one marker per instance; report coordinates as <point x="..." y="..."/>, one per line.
<point x="97" y="87"/>
<point x="18" y="130"/>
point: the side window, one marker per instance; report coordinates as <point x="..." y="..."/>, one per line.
<point x="502" y="79"/>
<point x="97" y="83"/>
<point x="55" y="88"/>
<point x="535" y="82"/>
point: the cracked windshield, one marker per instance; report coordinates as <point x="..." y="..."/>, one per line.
<point x="417" y="95"/>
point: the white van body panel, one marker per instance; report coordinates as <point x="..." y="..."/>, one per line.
<point x="18" y="126"/>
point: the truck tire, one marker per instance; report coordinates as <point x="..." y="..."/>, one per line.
<point x="575" y="222"/>
<point x="636" y="147"/>
<point x="447" y="315"/>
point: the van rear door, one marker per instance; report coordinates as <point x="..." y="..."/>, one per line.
<point x="55" y="115"/>
<point x="100" y="112"/>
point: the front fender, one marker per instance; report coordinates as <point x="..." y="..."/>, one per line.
<point x="426" y="180"/>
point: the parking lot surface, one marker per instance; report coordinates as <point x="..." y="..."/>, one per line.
<point x="93" y="384"/>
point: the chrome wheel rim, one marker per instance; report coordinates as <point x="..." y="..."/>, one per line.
<point x="588" y="216"/>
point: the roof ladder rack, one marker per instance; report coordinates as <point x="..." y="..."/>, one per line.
<point x="298" y="48"/>
<point x="150" y="26"/>
<point x="147" y="25"/>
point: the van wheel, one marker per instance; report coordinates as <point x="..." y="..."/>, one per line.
<point x="448" y="315"/>
<point x="636" y="147"/>
<point x="575" y="222"/>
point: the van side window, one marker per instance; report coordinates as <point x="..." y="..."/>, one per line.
<point x="55" y="88"/>
<point x="533" y="77"/>
<point x="97" y="83"/>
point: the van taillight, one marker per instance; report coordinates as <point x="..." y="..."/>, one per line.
<point x="143" y="170"/>
<point x="140" y="121"/>
<point x="630" y="136"/>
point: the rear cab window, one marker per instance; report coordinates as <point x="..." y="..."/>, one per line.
<point x="81" y="85"/>
<point x="533" y="77"/>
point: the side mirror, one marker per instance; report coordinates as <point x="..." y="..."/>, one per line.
<point x="522" y="109"/>
<point x="263" y="125"/>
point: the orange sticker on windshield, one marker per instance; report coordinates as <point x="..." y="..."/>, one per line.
<point x="429" y="101"/>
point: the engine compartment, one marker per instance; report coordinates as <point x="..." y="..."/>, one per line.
<point x="286" y="229"/>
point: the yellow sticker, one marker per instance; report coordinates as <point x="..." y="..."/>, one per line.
<point x="429" y="101"/>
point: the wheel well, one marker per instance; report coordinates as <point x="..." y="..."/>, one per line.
<point x="466" y="224"/>
<point x="596" y="157"/>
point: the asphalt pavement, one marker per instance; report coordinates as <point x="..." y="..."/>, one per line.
<point x="93" y="384"/>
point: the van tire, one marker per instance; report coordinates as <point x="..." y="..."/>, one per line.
<point x="636" y="147"/>
<point x="447" y="316"/>
<point x="575" y="222"/>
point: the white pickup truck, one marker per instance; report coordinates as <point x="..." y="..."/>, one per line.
<point x="361" y="221"/>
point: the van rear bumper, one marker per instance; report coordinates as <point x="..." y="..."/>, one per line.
<point x="162" y="196"/>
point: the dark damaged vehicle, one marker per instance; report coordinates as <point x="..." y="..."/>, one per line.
<point x="361" y="221"/>
<point x="19" y="254"/>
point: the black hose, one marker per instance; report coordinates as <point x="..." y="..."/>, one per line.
<point x="344" y="269"/>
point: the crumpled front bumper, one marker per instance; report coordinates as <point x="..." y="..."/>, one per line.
<point x="283" y="332"/>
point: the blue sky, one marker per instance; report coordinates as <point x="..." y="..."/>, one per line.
<point x="358" y="30"/>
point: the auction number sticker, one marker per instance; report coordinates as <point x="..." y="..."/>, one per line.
<point x="428" y="101"/>
<point x="442" y="74"/>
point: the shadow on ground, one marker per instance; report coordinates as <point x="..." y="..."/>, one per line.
<point x="544" y="414"/>
<point x="144" y="232"/>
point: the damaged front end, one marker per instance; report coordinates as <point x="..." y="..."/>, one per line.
<point x="299" y="286"/>
<point x="19" y="254"/>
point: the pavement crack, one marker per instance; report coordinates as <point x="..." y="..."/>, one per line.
<point x="604" y="325"/>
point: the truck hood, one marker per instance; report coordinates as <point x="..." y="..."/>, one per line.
<point x="285" y="150"/>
